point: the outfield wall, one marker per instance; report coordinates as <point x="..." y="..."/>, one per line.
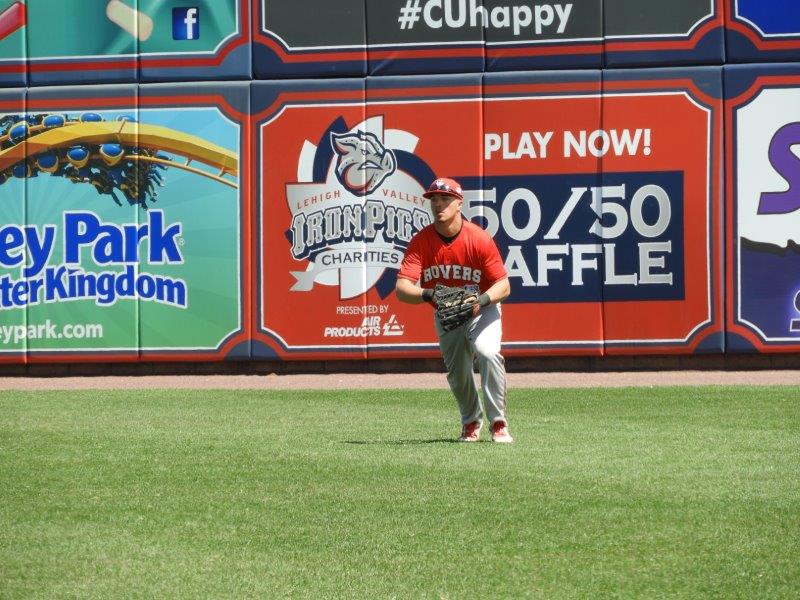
<point x="240" y="182"/>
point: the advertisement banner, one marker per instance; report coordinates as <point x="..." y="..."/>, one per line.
<point x="762" y="31"/>
<point x="606" y="214"/>
<point x="109" y="41"/>
<point x="340" y="180"/>
<point x="662" y="211"/>
<point x="132" y="197"/>
<point x="384" y="37"/>
<point x="763" y="124"/>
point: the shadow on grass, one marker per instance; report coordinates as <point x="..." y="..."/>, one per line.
<point x="402" y="442"/>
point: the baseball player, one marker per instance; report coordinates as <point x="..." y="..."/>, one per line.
<point x="453" y="252"/>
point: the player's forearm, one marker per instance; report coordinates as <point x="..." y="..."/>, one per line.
<point x="499" y="291"/>
<point x="409" y="292"/>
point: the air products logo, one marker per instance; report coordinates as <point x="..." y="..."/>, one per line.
<point x="186" y="23"/>
<point x="372" y="326"/>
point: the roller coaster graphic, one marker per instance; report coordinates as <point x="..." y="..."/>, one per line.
<point x="113" y="155"/>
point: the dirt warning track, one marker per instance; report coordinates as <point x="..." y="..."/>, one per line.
<point x="401" y="380"/>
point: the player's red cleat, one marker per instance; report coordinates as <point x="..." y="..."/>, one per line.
<point x="500" y="433"/>
<point x="471" y="432"/>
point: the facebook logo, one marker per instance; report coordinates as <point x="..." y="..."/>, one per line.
<point x="186" y="23"/>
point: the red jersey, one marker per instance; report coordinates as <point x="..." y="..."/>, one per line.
<point x="471" y="259"/>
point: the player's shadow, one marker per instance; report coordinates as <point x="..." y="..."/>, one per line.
<point x="401" y="442"/>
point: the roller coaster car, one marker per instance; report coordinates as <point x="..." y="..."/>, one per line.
<point x="48" y="162"/>
<point x="90" y="117"/>
<point x="111" y="153"/>
<point x="22" y="170"/>
<point x="18" y="132"/>
<point x="78" y="156"/>
<point x="53" y="121"/>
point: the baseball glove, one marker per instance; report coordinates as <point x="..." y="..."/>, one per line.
<point x="454" y="305"/>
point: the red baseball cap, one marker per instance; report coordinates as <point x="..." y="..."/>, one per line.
<point x="446" y="186"/>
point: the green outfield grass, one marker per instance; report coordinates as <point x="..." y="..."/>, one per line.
<point x="659" y="492"/>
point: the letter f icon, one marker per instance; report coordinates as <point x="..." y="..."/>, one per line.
<point x="190" y="21"/>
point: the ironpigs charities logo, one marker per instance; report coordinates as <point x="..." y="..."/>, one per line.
<point x="356" y="206"/>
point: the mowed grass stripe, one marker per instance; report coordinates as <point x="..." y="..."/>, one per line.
<point x="610" y="492"/>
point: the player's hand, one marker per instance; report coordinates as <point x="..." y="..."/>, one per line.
<point x="476" y="309"/>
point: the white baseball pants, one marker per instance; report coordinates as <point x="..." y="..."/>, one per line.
<point x="480" y="340"/>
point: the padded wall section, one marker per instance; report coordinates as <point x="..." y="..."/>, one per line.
<point x="14" y="275"/>
<point x="655" y="32"/>
<point x="433" y="127"/>
<point x="309" y="38"/>
<point x="196" y="138"/>
<point x="311" y="181"/>
<point x="95" y="42"/>
<point x="425" y="36"/>
<point x="544" y="35"/>
<point x="138" y="223"/>
<point x="82" y="168"/>
<point x="537" y="204"/>
<point x="763" y="225"/>
<point x="661" y="207"/>
<point x="197" y="40"/>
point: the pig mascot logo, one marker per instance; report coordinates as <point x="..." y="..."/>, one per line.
<point x="363" y="163"/>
